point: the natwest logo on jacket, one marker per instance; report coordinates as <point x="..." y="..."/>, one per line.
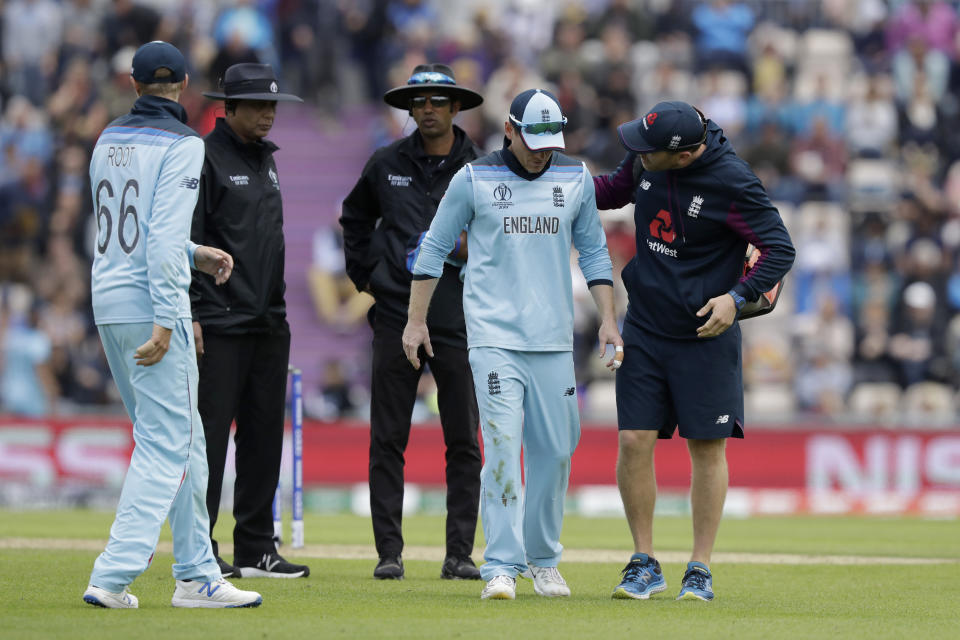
<point x="661" y="227"/>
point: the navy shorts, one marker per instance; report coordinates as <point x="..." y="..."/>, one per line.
<point x="694" y="384"/>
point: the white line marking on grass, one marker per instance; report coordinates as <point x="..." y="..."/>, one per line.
<point x="410" y="552"/>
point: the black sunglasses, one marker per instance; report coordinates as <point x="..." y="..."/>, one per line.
<point x="420" y="102"/>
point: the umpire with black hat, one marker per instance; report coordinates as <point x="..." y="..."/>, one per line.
<point x="241" y="330"/>
<point x="392" y="203"/>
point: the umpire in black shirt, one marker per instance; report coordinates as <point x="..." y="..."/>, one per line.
<point x="241" y="330"/>
<point x="393" y="202"/>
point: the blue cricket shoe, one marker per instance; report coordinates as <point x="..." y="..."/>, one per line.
<point x="642" y="577"/>
<point x="697" y="583"/>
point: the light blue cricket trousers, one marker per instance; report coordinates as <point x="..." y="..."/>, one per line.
<point x="525" y="398"/>
<point x="168" y="469"/>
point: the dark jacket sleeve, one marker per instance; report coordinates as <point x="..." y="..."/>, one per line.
<point x="361" y="210"/>
<point x="754" y="218"/>
<point x="616" y="189"/>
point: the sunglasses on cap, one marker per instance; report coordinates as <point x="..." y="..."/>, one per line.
<point x="539" y="128"/>
<point x="420" y="102"/>
<point x="430" y="77"/>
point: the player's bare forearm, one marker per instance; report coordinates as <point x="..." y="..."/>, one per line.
<point x="421" y="292"/>
<point x="416" y="334"/>
<point x="603" y="298"/>
<point x="608" y="334"/>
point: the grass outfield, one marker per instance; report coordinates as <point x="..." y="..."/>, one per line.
<point x="41" y="587"/>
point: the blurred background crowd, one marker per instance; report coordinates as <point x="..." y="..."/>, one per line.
<point x="846" y="109"/>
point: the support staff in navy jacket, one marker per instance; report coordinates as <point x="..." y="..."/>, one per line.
<point x="697" y="207"/>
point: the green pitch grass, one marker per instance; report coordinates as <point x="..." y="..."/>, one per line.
<point x="40" y="588"/>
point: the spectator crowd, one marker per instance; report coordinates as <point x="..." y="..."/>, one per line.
<point x="846" y="109"/>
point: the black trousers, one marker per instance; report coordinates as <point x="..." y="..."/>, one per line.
<point x="393" y="393"/>
<point x="244" y="378"/>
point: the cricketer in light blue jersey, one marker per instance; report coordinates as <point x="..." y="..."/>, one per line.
<point x="518" y="287"/>
<point x="144" y="173"/>
<point x="144" y="176"/>
<point x="525" y="206"/>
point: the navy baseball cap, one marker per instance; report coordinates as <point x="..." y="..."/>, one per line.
<point x="536" y="114"/>
<point x="669" y="126"/>
<point x="157" y="55"/>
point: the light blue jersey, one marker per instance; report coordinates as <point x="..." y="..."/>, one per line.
<point x="519" y="238"/>
<point x="144" y="174"/>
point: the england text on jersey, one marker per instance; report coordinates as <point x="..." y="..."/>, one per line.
<point x="537" y="225"/>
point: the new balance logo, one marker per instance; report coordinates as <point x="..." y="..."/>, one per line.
<point x="722" y="419"/>
<point x="189" y="183"/>
<point x="557" y="196"/>
<point x="493" y="383"/>
<point x="268" y="564"/>
<point x="209" y="588"/>
<point x="570" y="391"/>
<point x="645" y="184"/>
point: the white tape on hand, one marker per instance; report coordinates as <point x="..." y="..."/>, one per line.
<point x="617" y="357"/>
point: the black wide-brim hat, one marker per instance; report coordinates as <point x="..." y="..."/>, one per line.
<point x="250" y="81"/>
<point x="433" y="77"/>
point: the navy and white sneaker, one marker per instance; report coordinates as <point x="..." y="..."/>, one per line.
<point x="697" y="583"/>
<point x="642" y="577"/>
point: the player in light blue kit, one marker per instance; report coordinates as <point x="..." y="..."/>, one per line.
<point x="524" y="205"/>
<point x="144" y="174"/>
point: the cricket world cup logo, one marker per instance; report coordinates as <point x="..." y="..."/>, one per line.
<point x="661" y="227"/>
<point x="501" y="197"/>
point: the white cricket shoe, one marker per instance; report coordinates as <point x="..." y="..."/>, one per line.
<point x="547" y="581"/>
<point x="500" y="588"/>
<point x="213" y="595"/>
<point x="109" y="600"/>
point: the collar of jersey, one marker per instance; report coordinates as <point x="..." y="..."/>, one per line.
<point x="514" y="165"/>
<point x="156" y="106"/>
